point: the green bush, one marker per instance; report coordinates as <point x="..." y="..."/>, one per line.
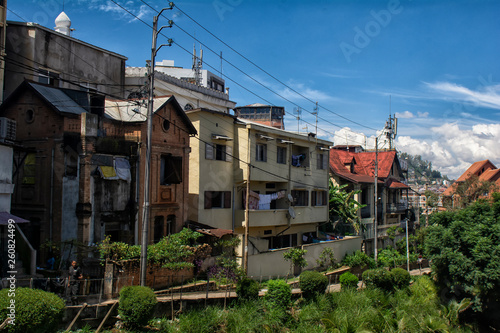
<point x="378" y="278"/>
<point x="348" y="281"/>
<point x="400" y="278"/>
<point x="36" y="311"/>
<point x="359" y="259"/>
<point x="247" y="288"/>
<point x="279" y="294"/>
<point x="136" y="305"/>
<point x="312" y="284"/>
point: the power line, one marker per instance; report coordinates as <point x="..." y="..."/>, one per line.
<point x="260" y="68"/>
<point x="249" y="76"/>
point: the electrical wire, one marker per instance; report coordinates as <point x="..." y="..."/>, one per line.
<point x="257" y="66"/>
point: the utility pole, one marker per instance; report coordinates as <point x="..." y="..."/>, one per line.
<point x="391" y="127"/>
<point x="426" y="206"/>
<point x="147" y="169"/>
<point x="375" y="202"/>
<point x="316" y="110"/>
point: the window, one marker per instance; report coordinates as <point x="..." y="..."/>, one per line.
<point x="300" y="197"/>
<point x="217" y="199"/>
<point x="318" y="198"/>
<point x="261" y="152"/>
<point x="322" y="161"/>
<point x="29" y="169"/>
<point x="218" y="152"/>
<point x="171" y="170"/>
<point x="158" y="228"/>
<point x="281" y="157"/>
<point x="279" y="242"/>
<point x="48" y="77"/>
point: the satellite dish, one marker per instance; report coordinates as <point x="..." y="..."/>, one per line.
<point x="291" y="211"/>
<point x="290" y="198"/>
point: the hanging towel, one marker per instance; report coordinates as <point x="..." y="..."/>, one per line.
<point x="123" y="169"/>
<point x="265" y="201"/>
<point x="107" y="172"/>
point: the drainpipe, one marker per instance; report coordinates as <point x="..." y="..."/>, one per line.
<point x="51" y="206"/>
<point x="234" y="210"/>
<point x="247" y="207"/>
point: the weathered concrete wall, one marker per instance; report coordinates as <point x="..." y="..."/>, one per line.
<point x="272" y="263"/>
<point x="340" y="248"/>
<point x="6" y="186"/>
<point x="72" y="59"/>
<point x="69" y="229"/>
<point x="127" y="273"/>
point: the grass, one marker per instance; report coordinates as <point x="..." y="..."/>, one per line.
<point x="412" y="309"/>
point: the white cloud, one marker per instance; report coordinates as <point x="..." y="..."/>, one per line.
<point x="310" y="93"/>
<point x="423" y="114"/>
<point x="137" y="11"/>
<point x="405" y="114"/>
<point x="452" y="149"/>
<point x="487" y="96"/>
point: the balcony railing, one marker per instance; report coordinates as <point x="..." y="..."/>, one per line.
<point x="397" y="207"/>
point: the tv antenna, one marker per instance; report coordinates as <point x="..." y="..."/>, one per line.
<point x="315" y="113"/>
<point x="297" y="111"/>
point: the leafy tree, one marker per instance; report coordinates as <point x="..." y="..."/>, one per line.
<point x="173" y="251"/>
<point x="296" y="258"/>
<point x="470" y="191"/>
<point x="343" y="206"/>
<point x="431" y="198"/>
<point x="464" y="249"/>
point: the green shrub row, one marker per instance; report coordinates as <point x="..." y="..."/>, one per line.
<point x="383" y="279"/>
<point x="36" y="311"/>
<point x="312" y="284"/>
<point x="136" y="305"/>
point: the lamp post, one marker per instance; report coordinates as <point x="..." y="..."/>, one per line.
<point x="147" y="169"/>
<point x="407" y="248"/>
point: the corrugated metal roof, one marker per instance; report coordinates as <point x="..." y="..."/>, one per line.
<point x="132" y="110"/>
<point x="62" y="102"/>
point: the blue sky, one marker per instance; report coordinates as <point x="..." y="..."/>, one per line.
<point x="435" y="64"/>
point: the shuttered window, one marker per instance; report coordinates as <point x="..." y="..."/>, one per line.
<point x="318" y="198"/>
<point x="217" y="199"/>
<point x="218" y="152"/>
<point x="171" y="170"/>
<point x="321" y="161"/>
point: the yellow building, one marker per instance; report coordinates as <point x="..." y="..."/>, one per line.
<point x="287" y="174"/>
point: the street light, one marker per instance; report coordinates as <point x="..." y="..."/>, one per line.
<point x="147" y="169"/>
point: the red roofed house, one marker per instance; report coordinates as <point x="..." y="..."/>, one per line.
<point x="356" y="168"/>
<point x="483" y="170"/>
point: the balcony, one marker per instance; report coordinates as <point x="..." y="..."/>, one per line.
<point x="278" y="217"/>
<point x="367" y="212"/>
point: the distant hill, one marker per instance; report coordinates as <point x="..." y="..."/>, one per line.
<point x="421" y="168"/>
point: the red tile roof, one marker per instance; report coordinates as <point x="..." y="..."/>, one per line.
<point x="364" y="164"/>
<point x="392" y="183"/>
<point x="485" y="170"/>
<point x="491" y="175"/>
<point x="476" y="168"/>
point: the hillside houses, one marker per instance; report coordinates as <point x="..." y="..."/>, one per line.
<point x="354" y="167"/>
<point x="78" y="156"/>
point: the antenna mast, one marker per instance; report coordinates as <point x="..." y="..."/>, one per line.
<point x="298" y="111"/>
<point x="316" y="109"/>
